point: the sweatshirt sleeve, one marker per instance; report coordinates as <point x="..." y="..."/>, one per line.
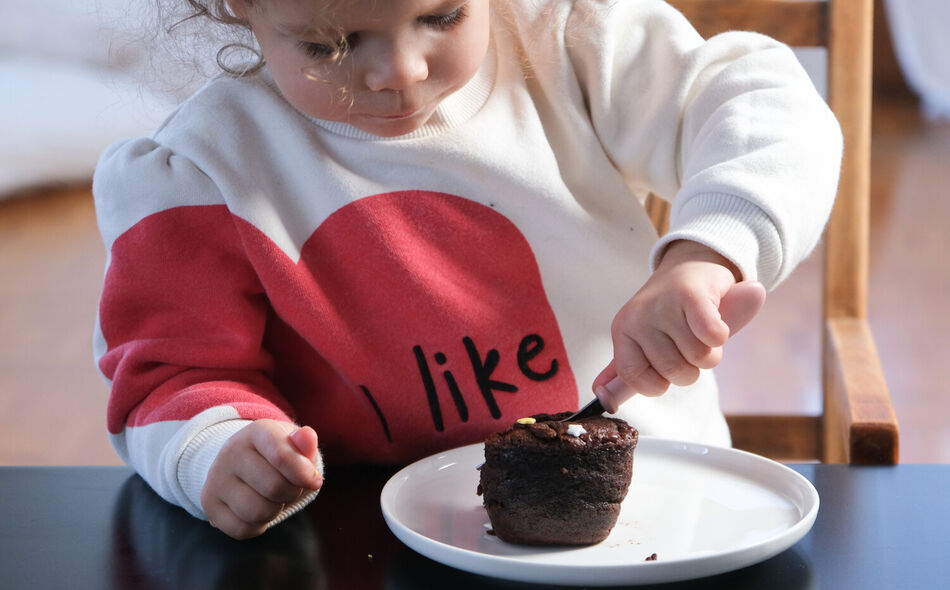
<point x="730" y="130"/>
<point x="181" y="320"/>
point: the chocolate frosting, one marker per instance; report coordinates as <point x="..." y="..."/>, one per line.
<point x="600" y="430"/>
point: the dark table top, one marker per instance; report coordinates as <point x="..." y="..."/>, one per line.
<point x="102" y="527"/>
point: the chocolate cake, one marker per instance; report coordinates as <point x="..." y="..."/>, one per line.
<point x="546" y="482"/>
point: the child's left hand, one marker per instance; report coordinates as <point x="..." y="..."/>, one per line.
<point x="676" y="324"/>
<point x="261" y="469"/>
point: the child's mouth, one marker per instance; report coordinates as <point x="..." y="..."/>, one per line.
<point x="399" y="115"/>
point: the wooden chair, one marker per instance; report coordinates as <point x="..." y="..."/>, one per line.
<point x="858" y="424"/>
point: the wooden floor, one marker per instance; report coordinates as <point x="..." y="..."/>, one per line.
<point x="52" y="400"/>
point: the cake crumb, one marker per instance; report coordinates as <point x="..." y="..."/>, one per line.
<point x="651" y="558"/>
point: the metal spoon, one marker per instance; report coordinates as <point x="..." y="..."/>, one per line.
<point x="593" y="408"/>
<point x="616" y="390"/>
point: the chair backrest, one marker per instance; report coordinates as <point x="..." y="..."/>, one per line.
<point x="858" y="423"/>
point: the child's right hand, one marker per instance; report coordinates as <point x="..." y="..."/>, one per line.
<point x="676" y="324"/>
<point x="262" y="468"/>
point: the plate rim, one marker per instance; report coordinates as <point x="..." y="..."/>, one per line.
<point x="668" y="570"/>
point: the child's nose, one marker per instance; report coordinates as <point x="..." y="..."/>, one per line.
<point x="396" y="67"/>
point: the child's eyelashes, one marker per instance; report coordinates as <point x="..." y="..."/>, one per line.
<point x="330" y="50"/>
<point x="316" y="50"/>
<point x="444" y="21"/>
<point x="337" y="50"/>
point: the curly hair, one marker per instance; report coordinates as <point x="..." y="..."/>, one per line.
<point x="231" y="56"/>
<point x="186" y="23"/>
<point x="216" y="10"/>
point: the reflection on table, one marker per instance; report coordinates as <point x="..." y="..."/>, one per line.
<point x="105" y="528"/>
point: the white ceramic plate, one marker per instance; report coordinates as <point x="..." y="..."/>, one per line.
<point x="702" y="510"/>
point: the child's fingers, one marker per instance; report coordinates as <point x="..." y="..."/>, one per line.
<point x="248" y="505"/>
<point x="667" y="360"/>
<point x="613" y="393"/>
<point x="606" y="376"/>
<point x="696" y="352"/>
<point x="305" y="439"/>
<point x="741" y="303"/>
<point x="275" y="446"/>
<point x="257" y="472"/>
<point x="635" y="369"/>
<point x="704" y="321"/>
<point x="223" y="518"/>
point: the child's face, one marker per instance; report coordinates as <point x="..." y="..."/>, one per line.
<point x="404" y="56"/>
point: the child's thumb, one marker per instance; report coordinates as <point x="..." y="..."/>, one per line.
<point x="305" y="439"/>
<point x="740" y="304"/>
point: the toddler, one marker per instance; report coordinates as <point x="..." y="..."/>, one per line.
<point x="412" y="222"/>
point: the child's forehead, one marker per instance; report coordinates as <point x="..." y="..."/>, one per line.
<point x="303" y="15"/>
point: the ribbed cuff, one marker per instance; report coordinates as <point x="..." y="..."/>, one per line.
<point x="302" y="501"/>
<point x="196" y="460"/>
<point x="732" y="226"/>
<point x="200" y="454"/>
<point x="294" y="508"/>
